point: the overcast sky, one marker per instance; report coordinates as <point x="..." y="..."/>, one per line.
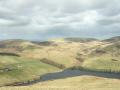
<point x="46" y="19"/>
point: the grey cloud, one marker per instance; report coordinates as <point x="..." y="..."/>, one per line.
<point x="111" y="9"/>
<point x="10" y="22"/>
<point x="12" y="18"/>
<point x="110" y="20"/>
<point x="77" y="6"/>
<point x="90" y="32"/>
<point x="59" y="18"/>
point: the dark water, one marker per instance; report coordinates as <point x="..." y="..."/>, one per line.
<point x="74" y="73"/>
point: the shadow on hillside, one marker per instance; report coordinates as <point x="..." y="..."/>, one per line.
<point x="9" y="54"/>
<point x="45" y="43"/>
<point x="68" y="74"/>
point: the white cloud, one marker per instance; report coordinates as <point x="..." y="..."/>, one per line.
<point x="41" y="16"/>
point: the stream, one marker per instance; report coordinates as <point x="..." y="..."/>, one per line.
<point x="68" y="74"/>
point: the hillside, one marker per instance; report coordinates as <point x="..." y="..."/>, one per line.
<point x="82" y="40"/>
<point x="18" y="69"/>
<point x="16" y="45"/>
<point x="31" y="59"/>
<point x="113" y="39"/>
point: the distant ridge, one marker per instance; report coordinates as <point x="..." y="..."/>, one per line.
<point x="75" y="39"/>
<point x="70" y="39"/>
<point x="113" y="39"/>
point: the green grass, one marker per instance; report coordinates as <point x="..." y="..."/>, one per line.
<point x="22" y="69"/>
<point x="103" y="63"/>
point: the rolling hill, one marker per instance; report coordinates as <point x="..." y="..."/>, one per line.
<point x="24" y="61"/>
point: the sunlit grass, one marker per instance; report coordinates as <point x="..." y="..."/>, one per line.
<point x="103" y="63"/>
<point x="22" y="69"/>
<point x="73" y="83"/>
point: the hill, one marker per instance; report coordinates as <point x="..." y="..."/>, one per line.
<point x="113" y="39"/>
<point x="82" y="40"/>
<point x="18" y="69"/>
<point x="30" y="59"/>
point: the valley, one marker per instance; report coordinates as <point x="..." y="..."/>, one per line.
<point x="64" y="62"/>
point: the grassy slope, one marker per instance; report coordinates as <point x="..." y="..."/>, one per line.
<point x="70" y="53"/>
<point x="103" y="63"/>
<point x="84" y="83"/>
<point x="107" y="60"/>
<point x="74" y="83"/>
<point x="22" y="69"/>
<point x="65" y="53"/>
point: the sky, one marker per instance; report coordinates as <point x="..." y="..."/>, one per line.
<point x="48" y="19"/>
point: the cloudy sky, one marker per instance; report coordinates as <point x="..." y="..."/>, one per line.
<point x="46" y="19"/>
